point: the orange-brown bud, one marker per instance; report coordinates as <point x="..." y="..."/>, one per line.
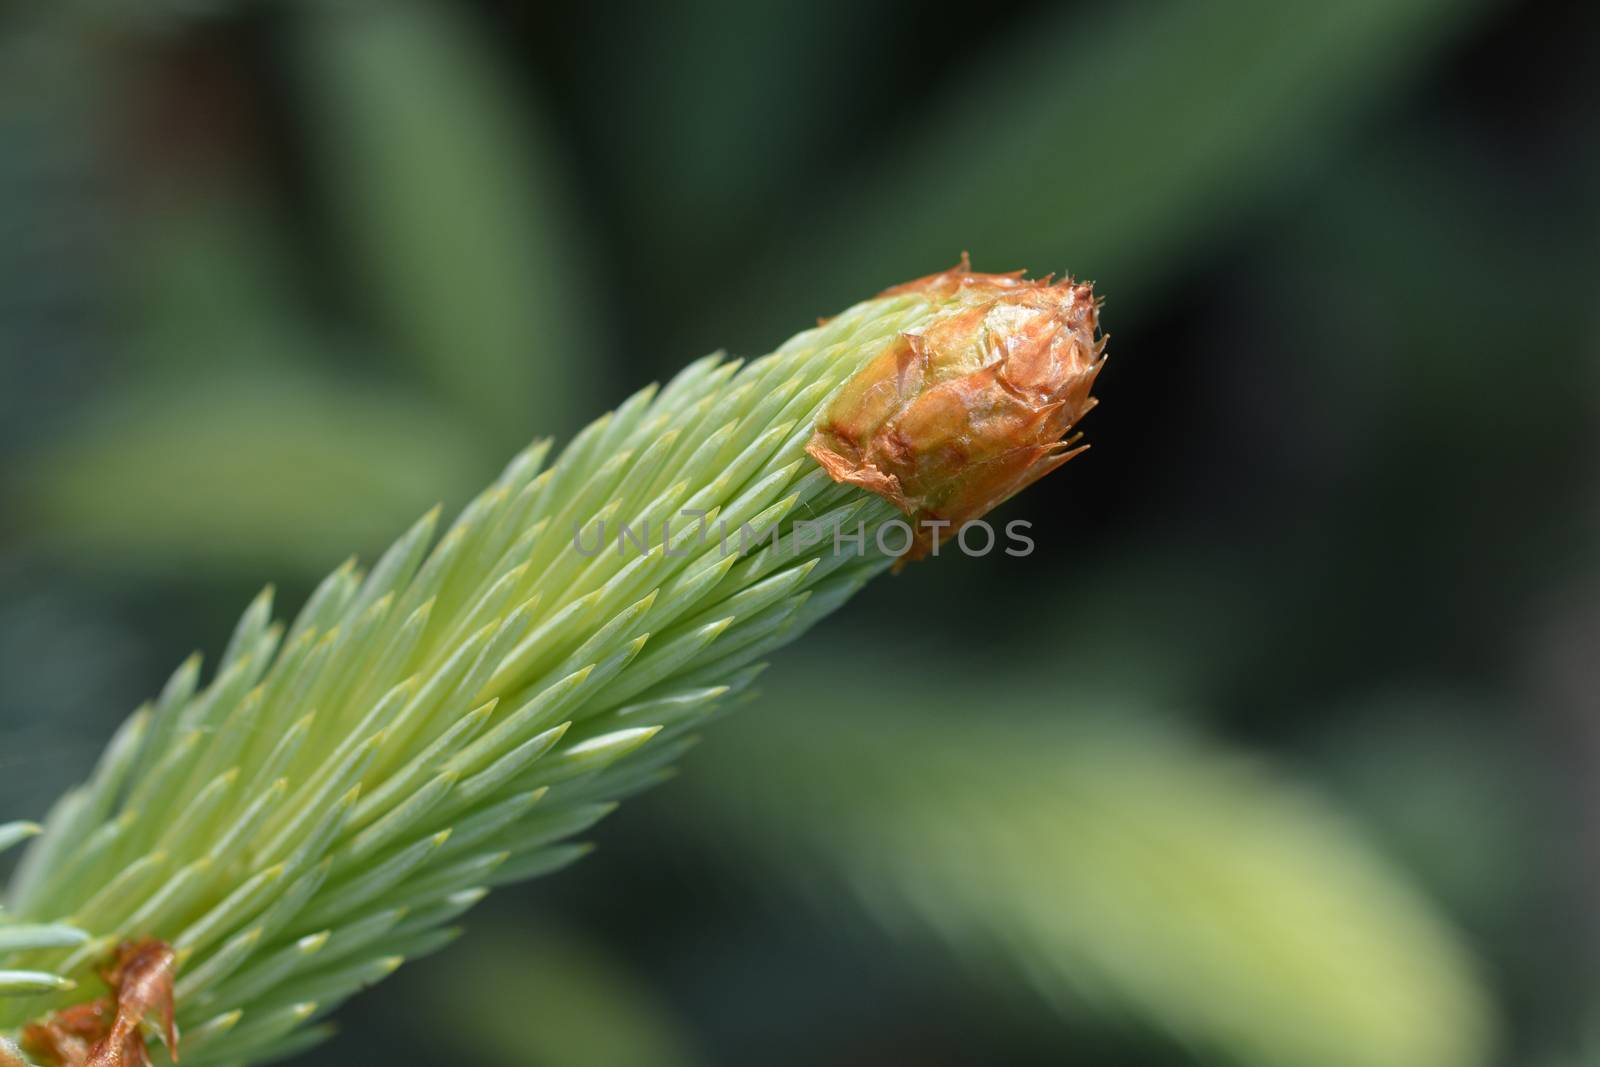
<point x="953" y="418"/>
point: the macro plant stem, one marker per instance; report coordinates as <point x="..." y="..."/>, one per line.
<point x="259" y="847"/>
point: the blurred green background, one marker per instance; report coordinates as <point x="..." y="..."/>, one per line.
<point x="1279" y="750"/>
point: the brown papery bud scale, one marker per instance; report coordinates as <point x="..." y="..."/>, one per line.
<point x="953" y="418"/>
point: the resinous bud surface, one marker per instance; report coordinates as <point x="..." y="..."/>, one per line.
<point x="953" y="418"/>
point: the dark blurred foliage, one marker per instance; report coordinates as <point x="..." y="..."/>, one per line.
<point x="276" y="276"/>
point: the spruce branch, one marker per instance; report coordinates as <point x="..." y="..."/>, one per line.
<point x="342" y="789"/>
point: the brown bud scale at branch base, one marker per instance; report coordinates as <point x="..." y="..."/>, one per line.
<point x="108" y="1032"/>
